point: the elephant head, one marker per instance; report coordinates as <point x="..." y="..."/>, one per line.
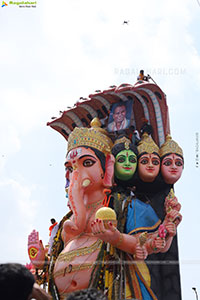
<point x="89" y="169"/>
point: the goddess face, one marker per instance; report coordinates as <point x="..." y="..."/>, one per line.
<point x="171" y="168"/>
<point x="148" y="167"/>
<point x="125" y="164"/>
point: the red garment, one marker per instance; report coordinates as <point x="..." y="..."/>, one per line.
<point x="51" y="227"/>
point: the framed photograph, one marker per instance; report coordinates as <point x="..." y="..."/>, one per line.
<point x="120" y="116"/>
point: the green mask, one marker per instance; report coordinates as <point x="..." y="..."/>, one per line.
<point x="125" y="164"/>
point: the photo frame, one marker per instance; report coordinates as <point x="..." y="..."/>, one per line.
<point x="120" y="116"/>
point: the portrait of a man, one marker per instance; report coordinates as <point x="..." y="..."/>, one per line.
<point x="120" y="116"/>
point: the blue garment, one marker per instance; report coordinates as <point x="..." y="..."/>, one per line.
<point x="145" y="293"/>
<point x="141" y="217"/>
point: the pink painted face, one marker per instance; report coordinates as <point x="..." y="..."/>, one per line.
<point x="148" y="167"/>
<point x="171" y="168"/>
<point x="87" y="166"/>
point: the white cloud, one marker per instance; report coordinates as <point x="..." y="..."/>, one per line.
<point x="21" y="198"/>
<point x="18" y="211"/>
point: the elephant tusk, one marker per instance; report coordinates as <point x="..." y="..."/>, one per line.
<point x="86" y="182"/>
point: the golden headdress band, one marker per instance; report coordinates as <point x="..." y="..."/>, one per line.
<point x="95" y="137"/>
<point x="170" y="146"/>
<point x="124" y="140"/>
<point x="146" y="144"/>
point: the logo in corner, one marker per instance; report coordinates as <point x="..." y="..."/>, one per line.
<point x="4" y="4"/>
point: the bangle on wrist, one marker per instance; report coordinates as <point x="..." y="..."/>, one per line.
<point x="120" y="240"/>
<point x="152" y="247"/>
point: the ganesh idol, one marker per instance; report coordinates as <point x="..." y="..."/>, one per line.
<point x="82" y="239"/>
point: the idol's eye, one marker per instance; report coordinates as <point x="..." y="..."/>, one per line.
<point x="155" y="162"/>
<point x="179" y="163"/>
<point x="121" y="159"/>
<point x="132" y="159"/>
<point x="144" y="161"/>
<point x="88" y="162"/>
<point x="69" y="169"/>
<point x="167" y="163"/>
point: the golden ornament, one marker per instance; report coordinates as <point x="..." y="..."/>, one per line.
<point x="170" y="146"/>
<point x="95" y="137"/>
<point x="106" y="214"/>
<point x="147" y="145"/>
<point x="124" y="140"/>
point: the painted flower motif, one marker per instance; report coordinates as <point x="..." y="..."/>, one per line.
<point x="162" y="231"/>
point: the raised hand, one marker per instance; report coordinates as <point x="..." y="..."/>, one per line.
<point x="171" y="228"/>
<point x="159" y="243"/>
<point x="36" y="249"/>
<point x="172" y="203"/>
<point x="173" y="216"/>
<point x="140" y="252"/>
<point x="109" y="235"/>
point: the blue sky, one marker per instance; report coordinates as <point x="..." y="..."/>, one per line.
<point x="55" y="53"/>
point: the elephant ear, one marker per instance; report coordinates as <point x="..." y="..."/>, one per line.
<point x="109" y="172"/>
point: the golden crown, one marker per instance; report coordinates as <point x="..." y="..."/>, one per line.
<point x="147" y="144"/>
<point x="170" y="146"/>
<point x="95" y="137"/>
<point x="124" y="140"/>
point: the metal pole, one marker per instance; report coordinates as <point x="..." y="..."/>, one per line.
<point x="148" y="76"/>
<point x="195" y="290"/>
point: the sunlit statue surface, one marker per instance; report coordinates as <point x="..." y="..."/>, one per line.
<point x="123" y="211"/>
<point x="85" y="246"/>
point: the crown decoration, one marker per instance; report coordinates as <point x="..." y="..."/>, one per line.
<point x="124" y="140"/>
<point x="170" y="146"/>
<point x="147" y="144"/>
<point x="95" y="137"/>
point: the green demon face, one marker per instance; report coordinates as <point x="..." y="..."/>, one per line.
<point x="125" y="164"/>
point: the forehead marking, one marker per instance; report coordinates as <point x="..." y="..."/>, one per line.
<point x="74" y="153"/>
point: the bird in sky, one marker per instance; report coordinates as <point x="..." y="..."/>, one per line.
<point x="126" y="22"/>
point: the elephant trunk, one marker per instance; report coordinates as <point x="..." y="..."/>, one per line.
<point x="76" y="200"/>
